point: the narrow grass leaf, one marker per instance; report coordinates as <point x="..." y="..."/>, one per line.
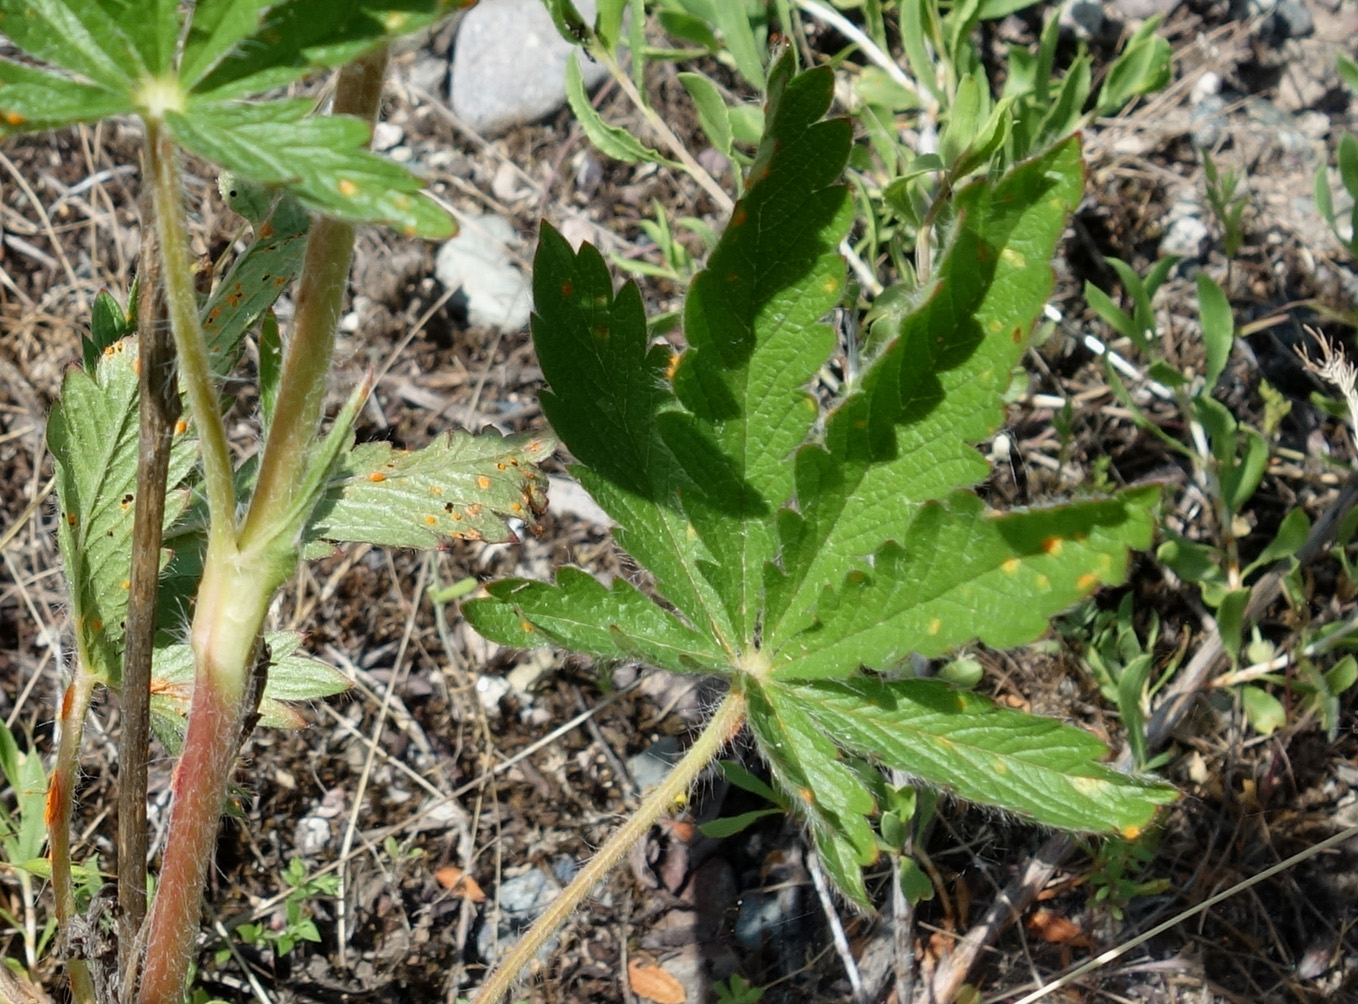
<point x="610" y="140"/>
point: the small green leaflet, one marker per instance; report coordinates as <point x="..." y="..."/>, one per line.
<point x="92" y="434"/>
<point x="261" y="274"/>
<point x="461" y="486"/>
<point x="293" y="678"/>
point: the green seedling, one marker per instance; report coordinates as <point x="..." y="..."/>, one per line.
<point x="297" y="924"/>
<point x="802" y="551"/>
<point x="1228" y="205"/>
<point x="218" y="537"/>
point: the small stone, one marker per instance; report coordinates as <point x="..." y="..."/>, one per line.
<point x="509" y="65"/>
<point x="387" y="135"/>
<point x="652" y="765"/>
<point x="1186" y="236"/>
<point x="1083" y="18"/>
<point x="1207" y="85"/>
<point x="1139" y="10"/>
<point x="477" y="262"/>
<point x="518" y="901"/>
<point x="489" y="690"/>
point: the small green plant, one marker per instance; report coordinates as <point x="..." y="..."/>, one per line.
<point x="737" y="990"/>
<point x="297" y="924"/>
<point x="149" y="497"/>
<point x="1228" y="205"/>
<point x="804" y="550"/>
<point x="1118" y="867"/>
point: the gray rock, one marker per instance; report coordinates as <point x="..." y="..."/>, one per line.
<point x="518" y="902"/>
<point x="509" y="64"/>
<point x="1083" y="18"/>
<point x="653" y="764"/>
<point x="1139" y="10"/>
<point x="1187" y="234"/>
<point x="477" y="262"/>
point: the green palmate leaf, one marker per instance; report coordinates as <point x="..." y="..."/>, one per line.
<point x="937" y="388"/>
<point x="93" y="437"/>
<point x="459" y="486"/>
<point x="967" y="572"/>
<point x="582" y="614"/>
<point x="752" y="324"/>
<point x="33" y="100"/>
<point x="238" y="48"/>
<point x="787" y="545"/>
<point x="1033" y="766"/>
<point x="80" y="35"/>
<point x="321" y="160"/>
<point x="293" y="678"/>
<point x="261" y="274"/>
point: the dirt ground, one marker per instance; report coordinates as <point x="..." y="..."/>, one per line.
<point x="450" y="752"/>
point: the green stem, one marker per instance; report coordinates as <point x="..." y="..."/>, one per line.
<point x="181" y="303"/>
<point x="311" y="342"/>
<point x="75" y="702"/>
<point x="727" y="720"/>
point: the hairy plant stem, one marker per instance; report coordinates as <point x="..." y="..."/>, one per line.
<point x="75" y="702"/>
<point x="181" y="303"/>
<point x="240" y="572"/>
<point x="158" y="410"/>
<point x="729" y="717"/>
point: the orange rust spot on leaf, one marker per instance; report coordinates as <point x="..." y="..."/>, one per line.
<point x="482" y="482"/>
<point x="431" y="520"/>
<point x="474" y="509"/>
<point x="181" y="427"/>
<point x="500" y="466"/>
<point x="1018" y="335"/>
<point x="1087" y="581"/>
<point x="347" y="188"/>
<point x="72" y="519"/>
<point x="436" y="491"/>
<point x="1052" y="545"/>
<point x="739" y="216"/>
<point x="515" y="507"/>
<point x="126" y="584"/>
<point x="527" y="628"/>
<point x="567" y="290"/>
<point x="14" y="119"/>
<point x="266" y="231"/>
<point x="377" y="477"/>
<point x="96" y="625"/>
